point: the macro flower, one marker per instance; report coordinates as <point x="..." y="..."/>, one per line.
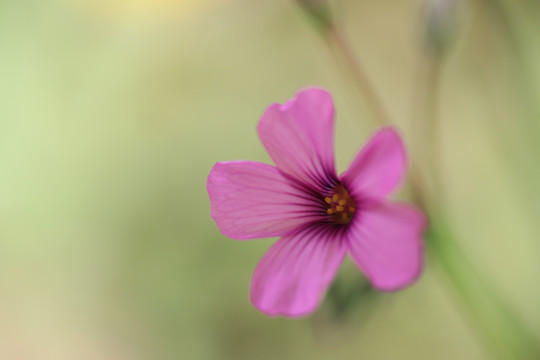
<point x="319" y="216"/>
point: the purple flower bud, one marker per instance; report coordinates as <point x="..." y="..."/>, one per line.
<point x="441" y="22"/>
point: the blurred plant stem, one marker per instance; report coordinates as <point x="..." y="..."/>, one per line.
<point x="320" y="15"/>
<point x="342" y="49"/>
<point x="506" y="336"/>
<point x="503" y="13"/>
<point x="426" y="133"/>
<point x="503" y="332"/>
<point x="520" y="34"/>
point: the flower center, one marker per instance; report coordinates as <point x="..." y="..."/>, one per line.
<point x="340" y="207"/>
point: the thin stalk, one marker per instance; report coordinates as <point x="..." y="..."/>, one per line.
<point x="507" y="337"/>
<point x="342" y="49"/>
<point x="431" y="125"/>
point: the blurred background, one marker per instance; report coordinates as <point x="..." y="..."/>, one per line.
<point x="112" y="113"/>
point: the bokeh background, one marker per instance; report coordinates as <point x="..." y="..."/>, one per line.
<point x="112" y="113"/>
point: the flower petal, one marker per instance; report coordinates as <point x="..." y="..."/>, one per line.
<point x="293" y="275"/>
<point x="253" y="200"/>
<point x="379" y="167"/>
<point x="385" y="241"/>
<point x="299" y="136"/>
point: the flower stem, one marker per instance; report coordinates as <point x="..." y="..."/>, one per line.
<point x="501" y="329"/>
<point x="426" y="127"/>
<point x="506" y="335"/>
<point x="342" y="49"/>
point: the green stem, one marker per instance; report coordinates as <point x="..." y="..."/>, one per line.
<point x="502" y="331"/>
<point x="506" y="335"/>
<point x="342" y="49"/>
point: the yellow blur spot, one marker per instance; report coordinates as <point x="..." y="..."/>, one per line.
<point x="143" y="8"/>
<point x="335" y="198"/>
<point x="351" y="209"/>
<point x="339" y="208"/>
<point x="328" y="200"/>
<point x="330" y="211"/>
<point x="342" y="202"/>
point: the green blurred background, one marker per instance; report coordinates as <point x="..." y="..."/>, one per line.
<point x="113" y="112"/>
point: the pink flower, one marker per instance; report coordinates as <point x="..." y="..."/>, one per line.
<point x="319" y="216"/>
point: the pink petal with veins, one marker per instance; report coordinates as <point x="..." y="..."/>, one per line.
<point x="299" y="136"/>
<point x="385" y="241"/>
<point x="294" y="273"/>
<point x="379" y="167"/>
<point x="253" y="200"/>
